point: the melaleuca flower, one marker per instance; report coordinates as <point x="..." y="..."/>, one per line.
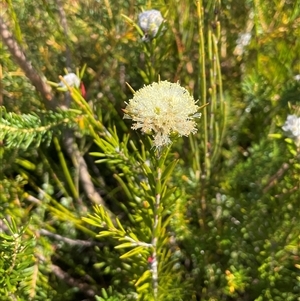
<point x="71" y="79"/>
<point x="292" y="127"/>
<point x="163" y="109"/>
<point x="150" y="21"/>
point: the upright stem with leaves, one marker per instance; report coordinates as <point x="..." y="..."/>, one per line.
<point x="158" y="213"/>
<point x="150" y="198"/>
<point x="213" y="121"/>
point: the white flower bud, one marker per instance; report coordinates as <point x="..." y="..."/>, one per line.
<point x="71" y="79"/>
<point x="150" y="21"/>
<point x="292" y="128"/>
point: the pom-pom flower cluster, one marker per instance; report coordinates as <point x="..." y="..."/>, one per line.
<point x="162" y="109"/>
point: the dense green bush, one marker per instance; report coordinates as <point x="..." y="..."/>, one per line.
<point x="91" y="209"/>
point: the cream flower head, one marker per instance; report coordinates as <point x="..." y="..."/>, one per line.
<point x="162" y="109"/>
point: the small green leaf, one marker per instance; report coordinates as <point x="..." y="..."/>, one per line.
<point x="26" y="164"/>
<point x="104" y="293"/>
<point x="276" y="136"/>
<point x="105" y="234"/>
<point x="102" y="161"/>
<point x="147" y="274"/>
<point x="132" y="235"/>
<point x="93" y="221"/>
<point x="100" y="265"/>
<point x="120" y="225"/>
<point x="125" y="245"/>
<point x="97" y="154"/>
<point x="137" y="250"/>
<point x="143" y="287"/>
<point x="168" y="170"/>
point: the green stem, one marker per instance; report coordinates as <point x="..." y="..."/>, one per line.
<point x="65" y="169"/>
<point x="156" y="224"/>
<point x="154" y="264"/>
<point x="53" y="174"/>
<point x="157" y="216"/>
<point x="202" y="77"/>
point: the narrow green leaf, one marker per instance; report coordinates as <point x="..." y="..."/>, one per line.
<point x="132" y="235"/>
<point x="169" y="192"/>
<point x="125" y="245"/>
<point x="82" y="71"/>
<point x="147" y="274"/>
<point x="93" y="222"/>
<point x="105" y="234"/>
<point x="97" y="154"/>
<point x="143" y="287"/>
<point x="120" y="225"/>
<point x="137" y="250"/>
<point x="124" y="186"/>
<point x="168" y="170"/>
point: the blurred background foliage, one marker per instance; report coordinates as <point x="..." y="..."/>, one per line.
<point x="235" y="230"/>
